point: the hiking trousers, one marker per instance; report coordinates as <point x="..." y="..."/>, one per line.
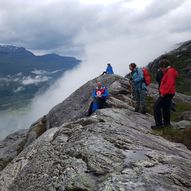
<point x="98" y="103"/>
<point x="162" y="110"/>
<point x="140" y="99"/>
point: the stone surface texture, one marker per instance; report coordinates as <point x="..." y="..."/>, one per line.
<point x="112" y="150"/>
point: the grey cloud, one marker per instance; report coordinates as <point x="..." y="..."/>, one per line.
<point x="161" y="8"/>
<point x="179" y="21"/>
<point x="68" y="26"/>
<point x="43" y="27"/>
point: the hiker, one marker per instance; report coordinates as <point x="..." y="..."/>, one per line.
<point x="99" y="94"/>
<point x="109" y="69"/>
<point x="159" y="77"/>
<point x="167" y="91"/>
<point x="139" y="88"/>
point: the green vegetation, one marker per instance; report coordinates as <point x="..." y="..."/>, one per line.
<point x="4" y="163"/>
<point x="176" y="135"/>
<point x="172" y="134"/>
<point x="150" y="103"/>
<point x="180" y="108"/>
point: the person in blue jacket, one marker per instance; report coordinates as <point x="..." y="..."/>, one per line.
<point x="109" y="69"/>
<point x="139" y="88"/>
<point x="99" y="94"/>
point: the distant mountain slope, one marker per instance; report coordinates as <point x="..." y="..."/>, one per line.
<point x="22" y="74"/>
<point x="17" y="59"/>
<point x="180" y="58"/>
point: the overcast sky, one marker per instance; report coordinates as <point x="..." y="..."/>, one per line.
<point x="68" y="27"/>
<point x="96" y="31"/>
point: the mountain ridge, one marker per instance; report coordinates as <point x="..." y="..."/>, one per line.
<point x="114" y="149"/>
<point x="13" y="60"/>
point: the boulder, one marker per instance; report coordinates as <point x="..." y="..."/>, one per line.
<point x="186" y="115"/>
<point x="183" y="124"/>
<point x="11" y="146"/>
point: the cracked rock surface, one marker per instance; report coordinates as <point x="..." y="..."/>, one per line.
<point x="112" y="150"/>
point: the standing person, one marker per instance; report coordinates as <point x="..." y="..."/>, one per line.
<point x="159" y="77"/>
<point x="99" y="94"/>
<point x="167" y="91"/>
<point x="109" y="69"/>
<point x="139" y="88"/>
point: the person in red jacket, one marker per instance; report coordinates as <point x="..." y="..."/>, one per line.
<point x="167" y="92"/>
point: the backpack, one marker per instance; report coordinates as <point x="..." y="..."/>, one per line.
<point x="146" y="76"/>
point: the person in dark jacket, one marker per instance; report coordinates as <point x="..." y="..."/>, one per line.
<point x="99" y="94"/>
<point x="139" y="88"/>
<point x="159" y="77"/>
<point x="167" y="91"/>
<point x="109" y="69"/>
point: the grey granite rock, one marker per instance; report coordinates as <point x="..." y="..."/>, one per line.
<point x="183" y="124"/>
<point x="11" y="146"/>
<point x="114" y="149"/>
<point x="186" y="115"/>
<point x="77" y="104"/>
<point x="36" y="130"/>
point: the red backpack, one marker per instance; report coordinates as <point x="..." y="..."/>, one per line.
<point x="147" y="76"/>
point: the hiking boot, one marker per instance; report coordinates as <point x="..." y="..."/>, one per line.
<point x="143" y="111"/>
<point x="167" y="125"/>
<point x="136" y="109"/>
<point x="157" y="126"/>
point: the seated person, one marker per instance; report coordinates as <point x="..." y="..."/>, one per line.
<point x="100" y="94"/>
<point x="109" y="69"/>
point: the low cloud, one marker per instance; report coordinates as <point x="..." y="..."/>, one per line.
<point x="34" y="80"/>
<point x="67" y="27"/>
<point x="19" y="89"/>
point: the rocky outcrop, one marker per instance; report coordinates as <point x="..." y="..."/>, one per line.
<point x="14" y="143"/>
<point x="36" y="130"/>
<point x="186" y="115"/>
<point x="77" y="104"/>
<point x="114" y="149"/>
<point x="72" y="108"/>
<point x="183" y="124"/>
<point x="11" y="146"/>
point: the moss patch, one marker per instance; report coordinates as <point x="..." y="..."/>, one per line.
<point x="176" y="135"/>
<point x="180" y="108"/>
<point x="175" y="116"/>
<point x="172" y="134"/>
<point x="4" y="163"/>
<point x="150" y="103"/>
